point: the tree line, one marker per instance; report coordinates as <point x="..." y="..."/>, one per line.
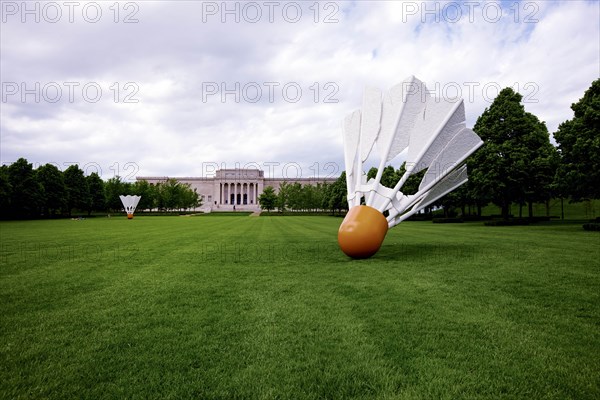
<point x="48" y="192"/>
<point x="306" y="198"/>
<point x="517" y="164"/>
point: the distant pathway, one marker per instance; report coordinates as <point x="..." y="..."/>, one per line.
<point x="255" y="214"/>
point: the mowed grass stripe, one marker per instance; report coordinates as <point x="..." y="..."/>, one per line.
<point x="240" y="307"/>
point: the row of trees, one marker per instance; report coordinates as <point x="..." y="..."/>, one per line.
<point x="26" y="192"/>
<point x="516" y="164"/>
<point x="297" y="197"/>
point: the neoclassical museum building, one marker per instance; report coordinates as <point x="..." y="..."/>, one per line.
<point x="233" y="187"/>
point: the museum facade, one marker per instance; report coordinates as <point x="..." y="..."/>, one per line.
<point x="229" y="188"/>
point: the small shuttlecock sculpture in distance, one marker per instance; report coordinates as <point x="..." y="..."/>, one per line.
<point x="130" y="203"/>
<point x="423" y="131"/>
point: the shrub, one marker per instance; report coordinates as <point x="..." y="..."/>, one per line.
<point x="538" y="219"/>
<point x="592" y="226"/>
<point x="301" y="213"/>
<point x="447" y="220"/>
<point x="509" y="222"/>
<point x="420" y="217"/>
<point x="469" y="218"/>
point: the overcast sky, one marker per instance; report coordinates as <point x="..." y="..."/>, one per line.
<point x="180" y="88"/>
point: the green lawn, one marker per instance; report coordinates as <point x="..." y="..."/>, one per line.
<point x="268" y="307"/>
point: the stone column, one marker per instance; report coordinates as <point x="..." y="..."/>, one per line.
<point x="216" y="193"/>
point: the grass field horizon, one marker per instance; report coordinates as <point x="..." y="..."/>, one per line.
<point x="269" y="307"/>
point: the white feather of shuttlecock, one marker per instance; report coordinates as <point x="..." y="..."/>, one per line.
<point x="429" y="132"/>
<point x="130" y="203"/>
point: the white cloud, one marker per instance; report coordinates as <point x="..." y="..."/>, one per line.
<point x="177" y="49"/>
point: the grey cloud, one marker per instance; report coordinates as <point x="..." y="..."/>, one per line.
<point x="172" y="52"/>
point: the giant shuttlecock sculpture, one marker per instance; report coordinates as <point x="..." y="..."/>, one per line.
<point x="130" y="203"/>
<point x="425" y="132"/>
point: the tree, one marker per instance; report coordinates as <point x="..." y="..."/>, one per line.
<point x="307" y="193"/>
<point x="54" y="189"/>
<point x="503" y="170"/>
<point x="453" y="200"/>
<point x="326" y="189"/>
<point x="464" y="197"/>
<point x="174" y="195"/>
<point x="338" y="194"/>
<point x="148" y="194"/>
<point x="97" y="201"/>
<point x="189" y="198"/>
<point x="318" y="196"/>
<point x="78" y="195"/>
<point x="283" y="196"/>
<point x="27" y="193"/>
<point x="295" y="196"/>
<point x="542" y="166"/>
<point x="5" y="192"/>
<point x="171" y="194"/>
<point x="579" y="148"/>
<point x="411" y="186"/>
<point x="389" y="177"/>
<point x="268" y="199"/>
<point x="312" y="197"/>
<point x="113" y="188"/>
<point x="537" y="167"/>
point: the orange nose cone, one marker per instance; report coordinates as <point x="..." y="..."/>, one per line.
<point x="129" y="216"/>
<point x="362" y="232"/>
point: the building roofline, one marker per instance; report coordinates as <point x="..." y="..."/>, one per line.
<point x="178" y="178"/>
<point x="314" y="178"/>
<point x="200" y="178"/>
